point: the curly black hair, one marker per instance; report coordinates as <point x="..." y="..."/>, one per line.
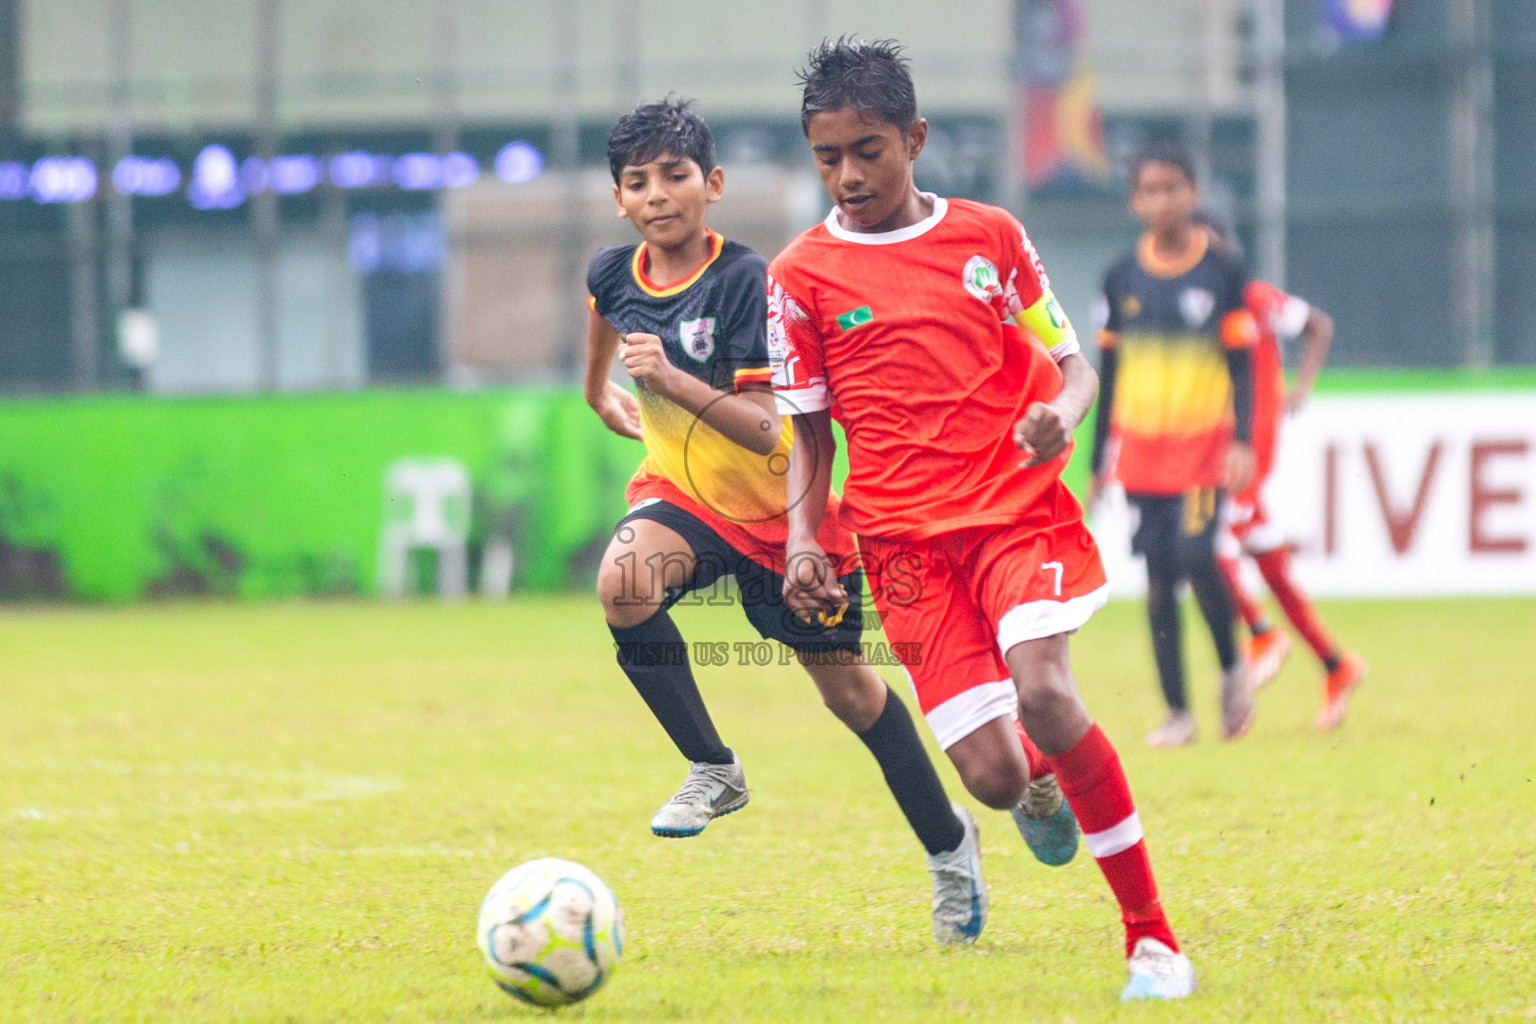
<point x="653" y="129"/>
<point x="872" y="78"/>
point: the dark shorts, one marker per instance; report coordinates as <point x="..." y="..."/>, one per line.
<point x="761" y="591"/>
<point x="1170" y="524"/>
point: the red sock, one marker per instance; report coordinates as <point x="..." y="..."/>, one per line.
<point x="1276" y="567"/>
<point x="1096" y="789"/>
<point x="1037" y="762"/>
<point x="1250" y="609"/>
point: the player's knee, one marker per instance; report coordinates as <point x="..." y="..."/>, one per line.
<point x="852" y="708"/>
<point x="1204" y="571"/>
<point x="1162" y="589"/>
<point x="1197" y="557"/>
<point x="1049" y="705"/>
<point x="851" y="692"/>
<point x="991" y="764"/>
<point x="623" y="606"/>
<point x="1047" y="698"/>
<point x="1000" y="784"/>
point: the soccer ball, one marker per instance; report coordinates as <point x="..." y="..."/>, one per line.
<point x="551" y="932"/>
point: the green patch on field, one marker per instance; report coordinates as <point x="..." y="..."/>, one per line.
<point x="290" y="813"/>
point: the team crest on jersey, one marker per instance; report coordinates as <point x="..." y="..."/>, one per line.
<point x="981" y="279"/>
<point x="698" y="337"/>
<point x="1196" y="304"/>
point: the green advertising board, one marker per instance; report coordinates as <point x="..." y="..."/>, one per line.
<point x="114" y="499"/>
<point x="120" y="498"/>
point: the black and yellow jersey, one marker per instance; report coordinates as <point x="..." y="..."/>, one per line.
<point x="1169" y="333"/>
<point x="713" y="326"/>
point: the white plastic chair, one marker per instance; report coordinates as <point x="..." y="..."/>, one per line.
<point x="426" y="508"/>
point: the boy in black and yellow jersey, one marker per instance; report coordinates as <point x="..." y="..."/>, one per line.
<point x="686" y="311"/>
<point x="1175" y="420"/>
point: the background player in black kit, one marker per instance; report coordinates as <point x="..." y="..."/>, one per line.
<point x="690" y="312"/>
<point x="1176" y="393"/>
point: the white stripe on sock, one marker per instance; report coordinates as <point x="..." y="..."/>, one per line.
<point x="1115" y="839"/>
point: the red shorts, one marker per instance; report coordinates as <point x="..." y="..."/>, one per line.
<point x="951" y="605"/>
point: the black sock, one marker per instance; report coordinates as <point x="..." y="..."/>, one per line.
<point x="911" y="777"/>
<point x="655" y="658"/>
<point x="1167" y="636"/>
<point x="1215" y="602"/>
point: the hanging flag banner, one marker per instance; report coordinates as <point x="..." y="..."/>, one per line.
<point x="1354" y="21"/>
<point x="1055" y="95"/>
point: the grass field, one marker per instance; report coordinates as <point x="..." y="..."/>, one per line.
<point x="290" y="813"/>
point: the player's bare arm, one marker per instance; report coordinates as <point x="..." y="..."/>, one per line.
<point x="1240" y="465"/>
<point x="616" y="407"/>
<point x="1046" y="428"/>
<point x="1098" y="478"/>
<point x="1317" y="338"/>
<point x="810" y="579"/>
<point x="1240" y="461"/>
<point x="748" y="417"/>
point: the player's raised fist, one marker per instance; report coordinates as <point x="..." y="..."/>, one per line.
<point x="646" y="361"/>
<point x="1042" y="433"/>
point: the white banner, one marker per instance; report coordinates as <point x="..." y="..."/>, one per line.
<point x="1394" y="496"/>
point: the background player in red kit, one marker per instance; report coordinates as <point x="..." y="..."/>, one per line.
<point x="1247" y="529"/>
<point x="928" y="327"/>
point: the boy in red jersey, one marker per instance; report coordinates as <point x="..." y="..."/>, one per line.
<point x="686" y="311"/>
<point x="1247" y="529"/>
<point x="928" y="327"/>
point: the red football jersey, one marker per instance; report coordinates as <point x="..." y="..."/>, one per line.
<point x="927" y="343"/>
<point x="1279" y="316"/>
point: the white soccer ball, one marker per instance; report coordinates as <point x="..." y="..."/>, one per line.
<point x="551" y="931"/>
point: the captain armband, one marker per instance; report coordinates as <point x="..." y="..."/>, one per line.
<point x="1047" y="321"/>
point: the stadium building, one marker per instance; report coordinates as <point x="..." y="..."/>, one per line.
<point x="302" y="196"/>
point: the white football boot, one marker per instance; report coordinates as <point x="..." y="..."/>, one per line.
<point x="1178" y="731"/>
<point x="1157" y="972"/>
<point x="1236" y="701"/>
<point x="959" y="892"/>
<point x="711" y="790"/>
